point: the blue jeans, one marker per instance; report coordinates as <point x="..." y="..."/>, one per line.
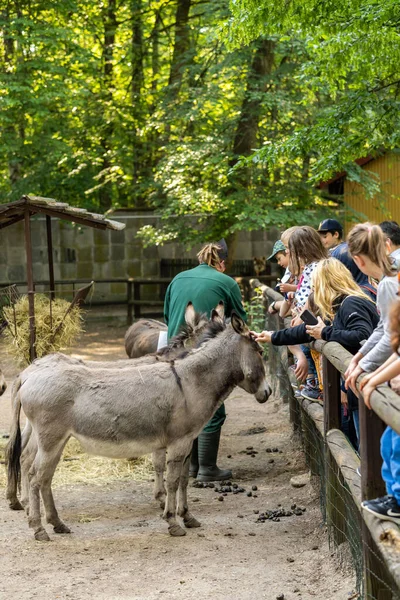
<point x="356" y="421"/>
<point x="390" y="451"/>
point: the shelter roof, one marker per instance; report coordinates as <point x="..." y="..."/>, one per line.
<point x="359" y="161"/>
<point x="15" y="211"/>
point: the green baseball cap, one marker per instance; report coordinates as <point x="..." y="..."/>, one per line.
<point x="278" y="247"/>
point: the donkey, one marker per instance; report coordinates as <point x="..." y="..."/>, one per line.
<point x="195" y="324"/>
<point x="108" y="413"/>
<point x="142" y="337"/>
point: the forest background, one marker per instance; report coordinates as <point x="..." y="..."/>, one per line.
<point x="229" y="111"/>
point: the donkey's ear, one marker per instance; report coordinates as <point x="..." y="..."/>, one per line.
<point x="220" y="310"/>
<point x="238" y="324"/>
<point x="190" y="315"/>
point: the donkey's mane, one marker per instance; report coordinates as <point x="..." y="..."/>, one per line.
<point x="184" y="334"/>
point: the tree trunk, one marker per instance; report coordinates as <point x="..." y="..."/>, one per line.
<point x="246" y="133"/>
<point x="110" y="28"/>
<point x="181" y="45"/>
<point x="11" y="132"/>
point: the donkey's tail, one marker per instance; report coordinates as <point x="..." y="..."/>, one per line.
<point x="13" y="449"/>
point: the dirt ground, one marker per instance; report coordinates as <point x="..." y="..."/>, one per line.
<point x="120" y="549"/>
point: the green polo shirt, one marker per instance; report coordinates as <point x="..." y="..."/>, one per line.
<point x="205" y="287"/>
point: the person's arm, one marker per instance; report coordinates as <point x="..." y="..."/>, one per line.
<point x="292" y="336"/>
<point x="382" y="349"/>
<point x="301" y="368"/>
<point x="287" y="287"/>
<point x="385" y="375"/>
<point x="387" y="363"/>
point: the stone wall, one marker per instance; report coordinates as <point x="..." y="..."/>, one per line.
<point x="86" y="253"/>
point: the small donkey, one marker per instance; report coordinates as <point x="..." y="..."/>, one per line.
<point x="108" y="413"/>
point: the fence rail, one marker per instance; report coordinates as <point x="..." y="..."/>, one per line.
<point x="133" y="300"/>
<point x="374" y="544"/>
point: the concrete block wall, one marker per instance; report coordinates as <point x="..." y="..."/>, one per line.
<point x="84" y="253"/>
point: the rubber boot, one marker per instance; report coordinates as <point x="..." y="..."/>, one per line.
<point x="194" y="461"/>
<point x="208" y="444"/>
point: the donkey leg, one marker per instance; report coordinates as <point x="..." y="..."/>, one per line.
<point x="47" y="494"/>
<point x="27" y="458"/>
<point x="159" y="468"/>
<point x="183" y="511"/>
<point x="176" y="455"/>
<point x="40" y="476"/>
<point x="34" y="518"/>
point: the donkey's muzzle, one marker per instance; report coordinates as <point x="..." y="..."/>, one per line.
<point x="263" y="397"/>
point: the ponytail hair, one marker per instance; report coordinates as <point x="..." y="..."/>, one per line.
<point x="369" y="240"/>
<point x="210" y="255"/>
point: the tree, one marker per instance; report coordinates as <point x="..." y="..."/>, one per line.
<point x="352" y="65"/>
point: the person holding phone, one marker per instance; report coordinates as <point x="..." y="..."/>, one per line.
<point x="349" y="316"/>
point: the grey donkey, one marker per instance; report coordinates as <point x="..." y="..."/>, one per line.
<point x="108" y="412"/>
<point x="195" y="324"/>
<point x="142" y="337"/>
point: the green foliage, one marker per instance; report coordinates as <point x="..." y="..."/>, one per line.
<point x="143" y="104"/>
<point x="256" y="314"/>
<point x="352" y="69"/>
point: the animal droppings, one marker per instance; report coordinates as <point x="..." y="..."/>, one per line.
<point x="254" y="488"/>
<point x="276" y="514"/>
<point x="220" y="498"/>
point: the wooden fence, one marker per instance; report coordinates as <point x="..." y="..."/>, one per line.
<point x="375" y="544"/>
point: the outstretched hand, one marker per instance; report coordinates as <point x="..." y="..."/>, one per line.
<point x="263" y="337"/>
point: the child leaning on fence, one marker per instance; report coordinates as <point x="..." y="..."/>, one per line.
<point x="387" y="507"/>
<point x="305" y="252"/>
<point x="367" y="245"/>
<point x="348" y="315"/>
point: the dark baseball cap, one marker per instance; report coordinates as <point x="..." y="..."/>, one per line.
<point x="278" y="247"/>
<point x="330" y="225"/>
<point x="223" y="251"/>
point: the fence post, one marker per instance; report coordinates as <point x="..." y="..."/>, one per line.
<point x="335" y="503"/>
<point x="331" y="391"/>
<point x="372" y="486"/>
<point x="129" y="294"/>
<point x="136" y="296"/>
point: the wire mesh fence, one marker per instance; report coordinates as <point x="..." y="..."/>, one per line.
<point x="370" y="547"/>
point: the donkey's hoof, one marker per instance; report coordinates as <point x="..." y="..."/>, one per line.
<point x="191" y="522"/>
<point x="176" y="530"/>
<point x="61" y="528"/>
<point x="16" y="505"/>
<point x="41" y="535"/>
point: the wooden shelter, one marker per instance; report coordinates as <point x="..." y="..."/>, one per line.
<point x="385" y="205"/>
<point x="23" y="210"/>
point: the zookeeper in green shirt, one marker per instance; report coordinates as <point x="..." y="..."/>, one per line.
<point x="205" y="286"/>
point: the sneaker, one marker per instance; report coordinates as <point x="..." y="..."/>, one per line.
<point x="312" y="393"/>
<point x="385" y="508"/>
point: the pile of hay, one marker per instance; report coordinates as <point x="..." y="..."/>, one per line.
<point x="17" y="332"/>
<point x="77" y="467"/>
